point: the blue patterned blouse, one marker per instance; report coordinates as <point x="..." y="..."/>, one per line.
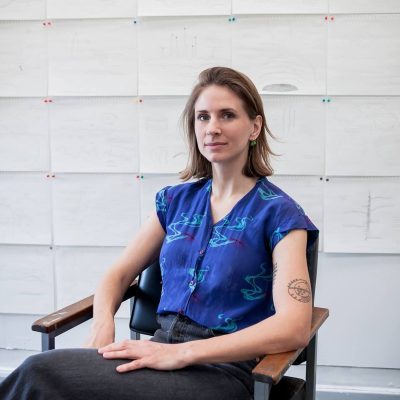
<point x="220" y="275"/>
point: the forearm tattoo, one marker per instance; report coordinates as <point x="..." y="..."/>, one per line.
<point x="274" y="271"/>
<point x="300" y="290"/>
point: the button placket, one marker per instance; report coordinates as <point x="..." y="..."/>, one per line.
<point x="201" y="253"/>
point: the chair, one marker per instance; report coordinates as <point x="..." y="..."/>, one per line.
<point x="144" y="293"/>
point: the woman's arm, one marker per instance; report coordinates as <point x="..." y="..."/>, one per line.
<point x="143" y="249"/>
<point x="287" y="329"/>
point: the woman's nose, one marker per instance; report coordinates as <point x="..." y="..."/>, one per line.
<point x="213" y="127"/>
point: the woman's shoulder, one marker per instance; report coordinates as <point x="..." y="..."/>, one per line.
<point x="186" y="189"/>
<point x="275" y="197"/>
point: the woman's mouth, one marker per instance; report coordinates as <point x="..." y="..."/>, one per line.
<point x="215" y="144"/>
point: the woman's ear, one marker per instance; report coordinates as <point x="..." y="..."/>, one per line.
<point x="257" y="124"/>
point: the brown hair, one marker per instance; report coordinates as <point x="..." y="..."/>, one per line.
<point x="258" y="160"/>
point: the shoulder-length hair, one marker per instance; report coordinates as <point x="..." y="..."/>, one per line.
<point x="258" y="160"/>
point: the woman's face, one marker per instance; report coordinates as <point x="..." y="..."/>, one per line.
<point x="223" y="128"/>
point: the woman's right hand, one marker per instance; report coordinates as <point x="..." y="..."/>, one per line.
<point x="101" y="334"/>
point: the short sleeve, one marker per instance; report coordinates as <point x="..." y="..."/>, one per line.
<point x="162" y="202"/>
<point x="286" y="216"/>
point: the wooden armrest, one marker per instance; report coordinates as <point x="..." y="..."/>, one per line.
<point x="74" y="314"/>
<point x="273" y="366"/>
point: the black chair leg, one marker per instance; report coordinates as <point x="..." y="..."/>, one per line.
<point x="48" y="341"/>
<point x="261" y="390"/>
<point x="311" y="368"/>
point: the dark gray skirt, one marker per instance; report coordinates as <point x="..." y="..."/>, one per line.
<point x="83" y="374"/>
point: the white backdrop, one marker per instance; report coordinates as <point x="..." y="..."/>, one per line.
<point x="90" y="99"/>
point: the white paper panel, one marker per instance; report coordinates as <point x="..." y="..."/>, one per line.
<point x="364" y="6"/>
<point x="90" y="265"/>
<point x="298" y="123"/>
<point x="183" y="7"/>
<point x="26" y="280"/>
<point x="149" y="186"/>
<point x="23" y="59"/>
<point x="25" y="212"/>
<point x="22" y="9"/>
<point x="91" y="9"/>
<point x="16" y="332"/>
<point x="361" y="292"/>
<point x="24" y="144"/>
<point x="95" y="210"/>
<point x="281" y="53"/>
<point x="173" y="51"/>
<point x="279" y="6"/>
<point x="361" y="215"/>
<point x="94" y="134"/>
<point x="364" y="55"/>
<point x="363" y="136"/>
<point x="93" y="58"/>
<point x="162" y="144"/>
<point x="308" y="192"/>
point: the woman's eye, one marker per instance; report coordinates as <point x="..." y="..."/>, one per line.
<point x="229" y="115"/>
<point x="202" y="117"/>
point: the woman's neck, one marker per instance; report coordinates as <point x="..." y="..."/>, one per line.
<point x="227" y="183"/>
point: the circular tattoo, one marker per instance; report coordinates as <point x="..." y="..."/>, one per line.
<point x="299" y="289"/>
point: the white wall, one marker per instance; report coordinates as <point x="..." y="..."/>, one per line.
<point x="90" y="97"/>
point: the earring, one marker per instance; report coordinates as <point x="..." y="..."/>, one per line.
<point x="253" y="143"/>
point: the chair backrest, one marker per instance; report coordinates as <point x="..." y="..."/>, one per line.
<point x="312" y="263"/>
<point x="144" y="305"/>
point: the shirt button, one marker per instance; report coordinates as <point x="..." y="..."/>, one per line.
<point x="201" y="251"/>
<point x="192" y="282"/>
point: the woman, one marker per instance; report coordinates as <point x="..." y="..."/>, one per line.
<point x="230" y="244"/>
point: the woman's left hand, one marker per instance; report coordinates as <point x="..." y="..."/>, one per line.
<point x="146" y="354"/>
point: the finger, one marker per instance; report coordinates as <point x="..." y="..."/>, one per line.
<point x="118" y="354"/>
<point x="114" y="346"/>
<point x="131" y="366"/>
